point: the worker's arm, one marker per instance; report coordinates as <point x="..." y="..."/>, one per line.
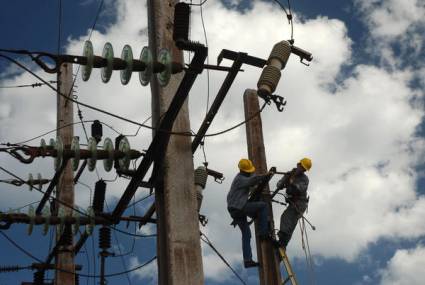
<point x="247" y="182"/>
<point x="283" y="182"/>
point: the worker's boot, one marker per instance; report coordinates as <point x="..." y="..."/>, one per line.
<point x="283" y="239"/>
<point x="250" y="263"/>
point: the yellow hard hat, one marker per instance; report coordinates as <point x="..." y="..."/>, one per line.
<point x="306" y="163"/>
<point x="246" y="165"/>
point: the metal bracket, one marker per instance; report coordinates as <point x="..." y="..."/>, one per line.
<point x="203" y="220"/>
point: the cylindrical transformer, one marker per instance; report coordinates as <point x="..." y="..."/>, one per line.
<point x="99" y="196"/>
<point x="181" y="22"/>
<point x="201" y="176"/>
<point x="271" y="73"/>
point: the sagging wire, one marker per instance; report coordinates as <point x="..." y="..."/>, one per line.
<point x="200" y="3"/>
<point x="126" y="119"/>
<point x="90" y="191"/>
<point x="205" y="239"/>
<point x="288" y="16"/>
<point x="139" y="200"/>
<point x="134" y="238"/>
<point x="20" y="208"/>
<point x="64" y="126"/>
<point x="76" y="208"/>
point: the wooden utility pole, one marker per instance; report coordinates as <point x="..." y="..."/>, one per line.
<point x="266" y="253"/>
<point x="179" y="249"/>
<point x="65" y="186"/>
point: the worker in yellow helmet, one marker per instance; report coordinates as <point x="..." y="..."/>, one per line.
<point x="296" y="184"/>
<point x="240" y="208"/>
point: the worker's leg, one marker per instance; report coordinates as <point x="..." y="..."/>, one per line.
<point x="288" y="223"/>
<point x="246" y="238"/>
<point x="258" y="210"/>
<point x="289" y="220"/>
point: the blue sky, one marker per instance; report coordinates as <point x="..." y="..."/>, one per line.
<point x="357" y="111"/>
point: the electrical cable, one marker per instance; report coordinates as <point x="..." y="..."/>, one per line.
<point x="131" y="234"/>
<point x="205" y="239"/>
<point x="126" y="119"/>
<point x="49" y="132"/>
<point x="288" y="16"/>
<point x="19" y="247"/>
<point x="33" y="85"/>
<point x="76" y="208"/>
<point x="134" y="238"/>
<point x="67" y="125"/>
<point x="138" y="201"/>
<point x="20" y="208"/>
<point x="119" y="250"/>
<point x="200" y="4"/>
<point x="67" y="271"/>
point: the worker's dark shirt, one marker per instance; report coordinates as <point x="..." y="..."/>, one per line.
<point x="296" y="186"/>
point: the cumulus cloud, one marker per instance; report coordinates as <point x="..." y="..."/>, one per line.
<point x="148" y="273"/>
<point x="405" y="267"/>
<point x="392" y="24"/>
<point x="361" y="133"/>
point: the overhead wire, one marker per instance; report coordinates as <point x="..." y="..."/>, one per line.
<point x="126" y="119"/>
<point x="33" y="85"/>
<point x="76" y="208"/>
<point x="288" y="16"/>
<point x="205" y="239"/>
<point x="64" y="126"/>
<point x="26" y="252"/>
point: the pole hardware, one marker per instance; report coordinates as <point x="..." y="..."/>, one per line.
<point x="81" y="220"/>
<point x="56" y="149"/>
<point x="145" y="65"/>
<point x="31" y="182"/>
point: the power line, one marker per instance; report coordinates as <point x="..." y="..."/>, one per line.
<point x="75" y="208"/>
<point x="33" y="85"/>
<point x="123" y="118"/>
<point x="66" y="271"/>
<point x="205" y="239"/>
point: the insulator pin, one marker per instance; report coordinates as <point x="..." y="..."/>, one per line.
<point x="269" y="79"/>
<point x="104" y="238"/>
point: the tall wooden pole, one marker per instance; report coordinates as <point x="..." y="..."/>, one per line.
<point x="179" y="249"/>
<point x="266" y="253"/>
<point x="65" y="187"/>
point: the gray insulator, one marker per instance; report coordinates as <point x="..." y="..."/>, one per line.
<point x="201" y="176"/>
<point x="270" y="77"/>
<point x="280" y="51"/>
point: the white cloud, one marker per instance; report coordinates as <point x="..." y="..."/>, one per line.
<point x="148" y="272"/>
<point x="361" y="136"/>
<point x="393" y="23"/>
<point x="405" y="267"/>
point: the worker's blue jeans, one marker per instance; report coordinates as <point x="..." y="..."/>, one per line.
<point x="255" y="210"/>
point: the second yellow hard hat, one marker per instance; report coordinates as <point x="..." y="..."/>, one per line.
<point x="246" y="165"/>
